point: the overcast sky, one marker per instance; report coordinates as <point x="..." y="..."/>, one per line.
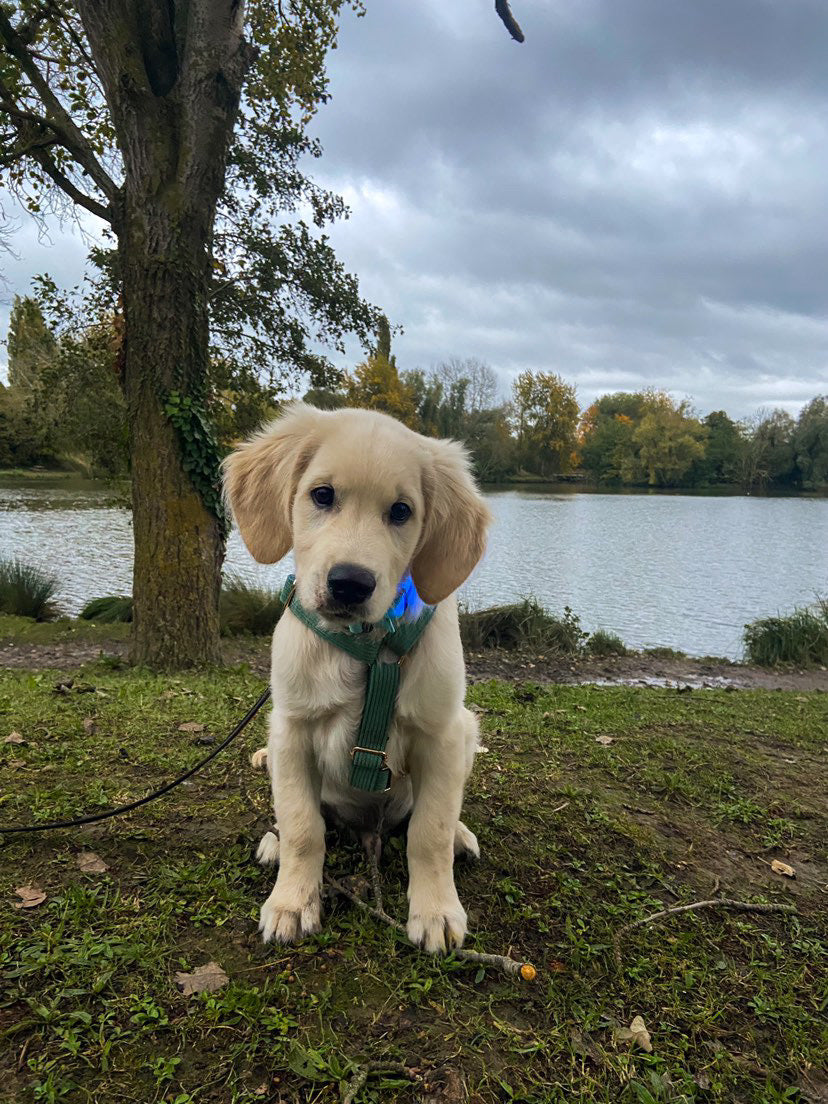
<point x="636" y="196"/>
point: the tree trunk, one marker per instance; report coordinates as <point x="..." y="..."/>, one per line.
<point x="172" y="75"/>
<point x="179" y="543"/>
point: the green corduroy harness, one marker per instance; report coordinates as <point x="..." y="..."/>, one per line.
<point x="369" y="764"/>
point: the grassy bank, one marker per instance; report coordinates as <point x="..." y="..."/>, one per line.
<point x="694" y="796"/>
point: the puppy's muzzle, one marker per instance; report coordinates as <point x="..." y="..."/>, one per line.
<point x="350" y="585"/>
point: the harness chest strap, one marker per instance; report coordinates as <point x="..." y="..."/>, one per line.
<point x="369" y="765"/>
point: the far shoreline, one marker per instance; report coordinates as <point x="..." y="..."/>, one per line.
<point x="569" y="484"/>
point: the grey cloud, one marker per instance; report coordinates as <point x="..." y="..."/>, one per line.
<point x="634" y="197"/>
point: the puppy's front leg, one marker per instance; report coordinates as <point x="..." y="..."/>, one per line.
<point x="293" y="909"/>
<point x="436" y="919"/>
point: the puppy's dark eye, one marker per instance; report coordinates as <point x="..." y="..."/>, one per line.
<point x="323" y="497"/>
<point x="399" y="513"/>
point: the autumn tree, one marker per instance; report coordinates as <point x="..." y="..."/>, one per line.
<point x="375" y="384"/>
<point x="546" y="422"/>
<point x="668" y="441"/>
<point x="723" y="452"/>
<point x="641" y="437"/>
<point x="606" y="431"/>
<point x="181" y="126"/>
<point x="480" y="391"/>
<point x="31" y="344"/>
<point x="769" y="455"/>
<point x="811" y="443"/>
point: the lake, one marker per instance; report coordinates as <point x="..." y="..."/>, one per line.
<point x="681" y="571"/>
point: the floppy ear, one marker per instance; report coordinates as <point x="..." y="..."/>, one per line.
<point x="260" y="479"/>
<point x="456" y="520"/>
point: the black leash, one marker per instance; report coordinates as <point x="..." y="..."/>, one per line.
<point x="93" y="817"/>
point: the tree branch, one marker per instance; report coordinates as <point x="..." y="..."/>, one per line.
<point x="510" y="23"/>
<point x="50" y="167"/>
<point x="58" y="118"/>
<point x="716" y="903"/>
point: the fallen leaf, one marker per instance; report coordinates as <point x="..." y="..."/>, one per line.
<point x="636" y="1033"/>
<point x="30" y="897"/>
<point x="191" y="726"/>
<point x="605" y="740"/>
<point x="90" y="725"/>
<point x="778" y="867"/>
<point x="204" y="979"/>
<point x="813" y="1084"/>
<point x="16" y="764"/>
<point x="582" y="1044"/>
<point x="90" y="863"/>
<point x="14" y="738"/>
<point x="168" y="694"/>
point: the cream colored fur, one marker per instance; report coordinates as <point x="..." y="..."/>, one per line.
<point x="371" y="461"/>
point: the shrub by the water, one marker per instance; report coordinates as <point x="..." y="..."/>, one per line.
<point x="801" y="638"/>
<point x="108" y="610"/>
<point x="522" y="624"/>
<point x="247" y="609"/>
<point x="26" y="591"/>
<point x="603" y="643"/>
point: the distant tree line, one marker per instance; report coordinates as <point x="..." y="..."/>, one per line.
<point x="63" y="405"/>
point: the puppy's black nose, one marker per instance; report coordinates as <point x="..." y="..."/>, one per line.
<point x="350" y="585"/>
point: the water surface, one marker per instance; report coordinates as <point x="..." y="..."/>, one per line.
<point x="683" y="571"/>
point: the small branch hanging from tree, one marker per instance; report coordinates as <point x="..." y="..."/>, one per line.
<point x="509" y="22"/>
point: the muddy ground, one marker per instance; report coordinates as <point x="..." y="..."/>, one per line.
<point x="636" y="669"/>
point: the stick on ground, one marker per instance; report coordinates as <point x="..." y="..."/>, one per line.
<point x="718" y="903"/>
<point x="511" y="966"/>
<point x="361" y="1076"/>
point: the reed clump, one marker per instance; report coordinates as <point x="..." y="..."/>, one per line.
<point x="799" y="638"/>
<point x="26" y="591"/>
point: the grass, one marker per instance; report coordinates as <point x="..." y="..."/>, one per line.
<point x="111" y="609"/>
<point x="578" y="839"/>
<point x="242" y="608"/>
<point x="248" y="609"/>
<point x="800" y="638"/>
<point x="24" y="630"/>
<point x="522" y="624"/>
<point x="602" y="643"/>
<point x="26" y="591"/>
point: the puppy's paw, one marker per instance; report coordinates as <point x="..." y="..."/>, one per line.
<point x="286" y="921"/>
<point x="439" y="930"/>
<point x="258" y="760"/>
<point x="268" y="850"/>
<point x="465" y="843"/>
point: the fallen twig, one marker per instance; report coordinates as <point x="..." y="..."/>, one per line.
<point x="364" y="1072"/>
<point x="508" y="965"/>
<point x="719" y="902"/>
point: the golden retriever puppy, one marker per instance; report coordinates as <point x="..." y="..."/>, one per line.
<point x="366" y="504"/>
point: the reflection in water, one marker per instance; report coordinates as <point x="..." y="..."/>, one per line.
<point x="673" y="570"/>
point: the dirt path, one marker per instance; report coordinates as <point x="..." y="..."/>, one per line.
<point x="638" y="669"/>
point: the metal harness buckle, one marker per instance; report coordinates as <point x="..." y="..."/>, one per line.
<point x="383" y="756"/>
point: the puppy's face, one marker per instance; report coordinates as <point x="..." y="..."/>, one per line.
<point x="362" y="500"/>
<point x="357" y="518"/>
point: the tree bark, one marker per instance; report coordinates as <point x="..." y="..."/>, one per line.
<point x="172" y="75"/>
<point x="179" y="545"/>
